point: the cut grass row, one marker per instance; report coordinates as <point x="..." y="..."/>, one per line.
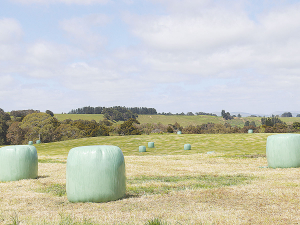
<point x="166" y="144"/>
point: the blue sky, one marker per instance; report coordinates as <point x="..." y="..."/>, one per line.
<point x="173" y="55"/>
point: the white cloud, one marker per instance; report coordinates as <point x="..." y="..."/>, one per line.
<point x="83" y="30"/>
<point x="77" y="2"/>
<point x="10" y="35"/>
<point x="10" y="30"/>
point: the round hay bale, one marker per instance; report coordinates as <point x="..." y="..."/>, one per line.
<point x="18" y="162"/>
<point x="142" y="148"/>
<point x="95" y="174"/>
<point x="38" y="142"/>
<point x="283" y="150"/>
<point x="150" y="144"/>
<point x="30" y="142"/>
<point x="250" y="131"/>
<point x="187" y="147"/>
<point x="179" y="132"/>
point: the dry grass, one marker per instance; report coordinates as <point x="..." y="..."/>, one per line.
<point x="271" y="196"/>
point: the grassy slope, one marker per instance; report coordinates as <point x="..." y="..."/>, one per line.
<point x="167" y="144"/>
<point x="182" y="120"/>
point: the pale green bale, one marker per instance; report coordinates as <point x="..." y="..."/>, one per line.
<point x="283" y="150"/>
<point x="38" y="142"/>
<point x="142" y="148"/>
<point x="187" y="147"/>
<point x="95" y="174"/>
<point x="18" y="162"/>
<point x="30" y="142"/>
<point x="150" y="144"/>
<point x="250" y="131"/>
<point x="179" y="132"/>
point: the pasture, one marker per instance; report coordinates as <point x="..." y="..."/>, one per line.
<point x="182" y="120"/>
<point x="223" y="179"/>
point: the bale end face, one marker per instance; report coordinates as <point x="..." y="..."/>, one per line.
<point x="283" y="150"/>
<point x="142" y="148"/>
<point x="18" y="162"/>
<point x="187" y="147"/>
<point x="150" y="144"/>
<point x="95" y="174"/>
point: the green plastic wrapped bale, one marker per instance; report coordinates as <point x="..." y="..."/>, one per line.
<point x="283" y="150"/>
<point x="150" y="144"/>
<point x="38" y="142"/>
<point x="178" y="132"/>
<point x="142" y="148"/>
<point x="18" y="162"/>
<point x="95" y="174"/>
<point x="250" y="131"/>
<point x="187" y="147"/>
<point x="30" y="142"/>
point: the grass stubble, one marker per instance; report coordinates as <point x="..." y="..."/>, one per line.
<point x="195" y="188"/>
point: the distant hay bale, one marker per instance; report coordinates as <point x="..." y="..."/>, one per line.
<point x="187" y="147"/>
<point x="250" y="131"/>
<point x="38" y="142"/>
<point x="30" y="142"/>
<point x="150" y="144"/>
<point x="95" y="174"/>
<point x="142" y="148"/>
<point x="283" y="150"/>
<point x="179" y="132"/>
<point x="18" y="162"/>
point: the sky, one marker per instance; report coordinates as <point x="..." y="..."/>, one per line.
<point x="172" y="55"/>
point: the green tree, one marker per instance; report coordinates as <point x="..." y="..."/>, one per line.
<point x="226" y="115"/>
<point x="170" y="129"/>
<point x="49" y="112"/>
<point x="90" y="128"/>
<point x="296" y="125"/>
<point x="287" y="114"/>
<point x="4" y="118"/>
<point x="15" y="135"/>
<point x="39" y="126"/>
<point x="67" y="132"/>
<point x="247" y="124"/>
<point x="128" y="128"/>
<point x="103" y="130"/>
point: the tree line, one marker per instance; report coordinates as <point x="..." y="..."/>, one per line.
<point x="102" y="110"/>
<point x="22" y="126"/>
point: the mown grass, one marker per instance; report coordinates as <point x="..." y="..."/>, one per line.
<point x="166" y="144"/>
<point x="54" y="189"/>
<point x="165" y="184"/>
<point x="49" y="160"/>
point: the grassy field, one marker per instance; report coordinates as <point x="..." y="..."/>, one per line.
<point x="182" y="120"/>
<point x="224" y="179"/>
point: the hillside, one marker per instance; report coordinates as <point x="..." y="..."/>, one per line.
<point x="182" y="120"/>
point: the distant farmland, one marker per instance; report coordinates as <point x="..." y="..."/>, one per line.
<point x="182" y="120"/>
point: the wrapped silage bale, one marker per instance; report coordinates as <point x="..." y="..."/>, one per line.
<point x="250" y="131"/>
<point x="142" y="148"/>
<point x="30" y="142"/>
<point x="150" y="144"/>
<point x="95" y="174"/>
<point x="187" y="147"/>
<point x="179" y="132"/>
<point x="283" y="150"/>
<point x="38" y="142"/>
<point x="18" y="162"/>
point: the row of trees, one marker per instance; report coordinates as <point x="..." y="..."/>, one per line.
<point x="21" y="128"/>
<point x="101" y="110"/>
